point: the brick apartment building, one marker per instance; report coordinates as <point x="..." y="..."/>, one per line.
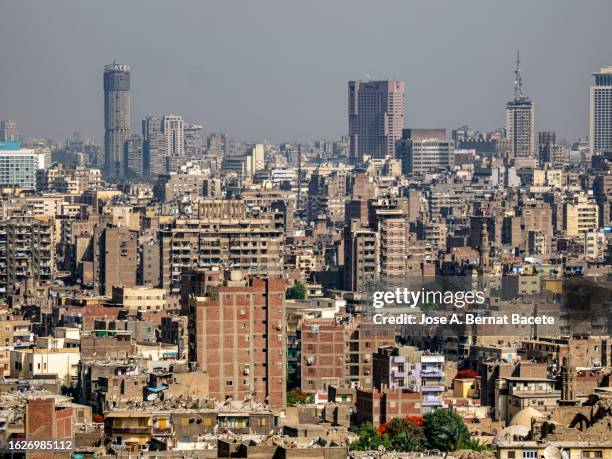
<point x="339" y="352"/>
<point x="237" y="335"/>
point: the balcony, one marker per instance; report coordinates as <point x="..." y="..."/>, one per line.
<point x="427" y="389"/>
<point x="132" y="430"/>
<point x="161" y="431"/>
<point x="433" y="373"/>
<point x="431" y="401"/>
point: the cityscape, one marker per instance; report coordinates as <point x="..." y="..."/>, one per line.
<point x="168" y="290"/>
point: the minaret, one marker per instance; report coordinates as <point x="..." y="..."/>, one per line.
<point x="568" y="381"/>
<point x="484" y="245"/>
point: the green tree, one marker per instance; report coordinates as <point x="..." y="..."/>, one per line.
<point x="404" y="436"/>
<point x="297" y="292"/>
<point x="444" y="430"/>
<point x="474" y="445"/>
<point x="369" y="438"/>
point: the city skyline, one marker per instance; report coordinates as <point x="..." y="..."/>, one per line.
<point x="231" y="94"/>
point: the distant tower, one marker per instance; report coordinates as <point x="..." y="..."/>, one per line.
<point x="116" y="117"/>
<point x="174" y="129"/>
<point x="153" y="147"/>
<point x="8" y="131"/>
<point x="376" y="117"/>
<point x="568" y="380"/>
<point x="520" y="120"/>
<point x="600" y="126"/>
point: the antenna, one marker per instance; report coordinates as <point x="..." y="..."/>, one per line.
<point x="518" y="80"/>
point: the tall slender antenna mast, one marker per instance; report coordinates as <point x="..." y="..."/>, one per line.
<point x="518" y="80"/>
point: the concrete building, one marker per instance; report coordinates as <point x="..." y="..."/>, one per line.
<point x="237" y="335"/>
<point x="134" y="161"/>
<point x="410" y="370"/>
<point x="27" y="252"/>
<point x="173" y="129"/>
<point x="580" y="215"/>
<point x="193" y="140"/>
<point x="520" y="121"/>
<point x="376" y="117"/>
<point x="600" y="125"/>
<point x="361" y="257"/>
<point x="8" y="131"/>
<point x="117" y="117"/>
<point x="425" y="150"/>
<point x="154" y="147"/>
<point x="115" y="258"/>
<point x="139" y="298"/>
<point x="246" y="243"/>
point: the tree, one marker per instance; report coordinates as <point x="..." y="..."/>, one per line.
<point x="444" y="430"/>
<point x="297" y="397"/>
<point x="297" y="292"/>
<point x="369" y="439"/>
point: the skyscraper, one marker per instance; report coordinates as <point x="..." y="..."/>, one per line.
<point x="8" y="131"/>
<point x="600" y="125"/>
<point x="175" y="137"/>
<point x="194" y="140"/>
<point x="133" y="155"/>
<point x="520" y="120"/>
<point x="376" y="117"/>
<point x="154" y="146"/>
<point x="116" y="117"/>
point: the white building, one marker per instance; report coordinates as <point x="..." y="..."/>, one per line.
<point x="18" y="166"/>
<point x="600" y="126"/>
<point x="174" y="130"/>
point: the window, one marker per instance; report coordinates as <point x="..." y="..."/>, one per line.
<point x="511" y="454"/>
<point x="229" y="382"/>
<point x="530" y="454"/>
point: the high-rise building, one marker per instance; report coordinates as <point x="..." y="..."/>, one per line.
<point x="600" y="125"/>
<point x="8" y="131"/>
<point x="237" y="335"/>
<point x="194" y="140"/>
<point x="27" y="252"/>
<point x="173" y="127"/>
<point x="227" y="237"/>
<point x="425" y="150"/>
<point x="133" y="155"/>
<point x="154" y="146"/>
<point x="115" y="258"/>
<point x="520" y="120"/>
<point x="116" y="117"/>
<point x="376" y="117"/>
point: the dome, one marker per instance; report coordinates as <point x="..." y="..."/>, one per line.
<point x="524" y="417"/>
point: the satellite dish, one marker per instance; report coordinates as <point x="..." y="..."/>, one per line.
<point x="552" y="452"/>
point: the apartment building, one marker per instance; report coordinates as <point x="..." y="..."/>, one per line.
<point x="115" y="260"/>
<point x="27" y="252"/>
<point x="581" y="215"/>
<point x="337" y="352"/>
<point x="238" y="334"/>
<point x="247" y="243"/>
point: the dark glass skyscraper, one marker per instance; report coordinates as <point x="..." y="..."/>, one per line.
<point x="116" y="117"/>
<point x="376" y="117"/>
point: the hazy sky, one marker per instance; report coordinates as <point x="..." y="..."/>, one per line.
<point x="277" y="69"/>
